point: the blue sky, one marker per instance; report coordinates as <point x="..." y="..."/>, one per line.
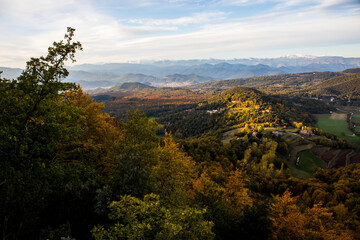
<point x="126" y="31"/>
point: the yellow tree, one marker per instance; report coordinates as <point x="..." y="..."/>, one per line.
<point x="93" y="133"/>
<point x="173" y="173"/>
<point x="314" y="223"/>
<point x="236" y="194"/>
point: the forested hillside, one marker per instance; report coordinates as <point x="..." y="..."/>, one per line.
<point x="344" y="86"/>
<point x="70" y="171"/>
<point x="237" y="106"/>
<point x="296" y="80"/>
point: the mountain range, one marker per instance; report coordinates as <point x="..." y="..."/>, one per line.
<point x="167" y="73"/>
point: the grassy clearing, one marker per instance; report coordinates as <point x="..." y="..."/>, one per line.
<point x="227" y="136"/>
<point x="308" y="162"/>
<point x="152" y="117"/>
<point x="336" y="127"/>
<point x="270" y="129"/>
<point x="292" y="130"/>
<point x="297" y="144"/>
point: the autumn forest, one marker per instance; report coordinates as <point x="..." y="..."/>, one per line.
<point x="245" y="158"/>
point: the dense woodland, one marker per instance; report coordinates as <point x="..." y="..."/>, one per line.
<point x="70" y="170"/>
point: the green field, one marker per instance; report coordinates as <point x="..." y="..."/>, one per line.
<point x="309" y="162"/>
<point x="336" y="127"/>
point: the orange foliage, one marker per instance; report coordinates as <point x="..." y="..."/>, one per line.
<point x="95" y="134"/>
<point x="315" y="223"/>
<point x="237" y="195"/>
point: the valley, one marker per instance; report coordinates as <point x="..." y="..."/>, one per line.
<point x="219" y="155"/>
<point x="223" y="108"/>
<point x="180" y="120"/>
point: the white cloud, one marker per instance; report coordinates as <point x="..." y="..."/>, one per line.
<point x="32" y="26"/>
<point x="197" y="18"/>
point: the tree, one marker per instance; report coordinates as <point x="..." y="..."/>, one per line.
<point x="134" y="155"/>
<point x="89" y="136"/>
<point x="29" y="133"/>
<point x="29" y="104"/>
<point x="149" y="219"/>
<point x="237" y="195"/>
<point x="172" y="174"/>
<point x="314" y="223"/>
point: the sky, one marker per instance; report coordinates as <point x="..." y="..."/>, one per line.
<point x="134" y="30"/>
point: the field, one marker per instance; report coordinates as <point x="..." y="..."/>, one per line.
<point x="330" y="124"/>
<point x="229" y="135"/>
<point x="337" y="127"/>
<point x="309" y="162"/>
<point x="297" y="145"/>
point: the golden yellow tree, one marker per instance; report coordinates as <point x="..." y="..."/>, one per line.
<point x="314" y="223"/>
<point x="173" y="173"/>
<point x="236" y="194"/>
<point x="93" y="134"/>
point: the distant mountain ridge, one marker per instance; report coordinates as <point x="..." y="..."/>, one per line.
<point x="182" y="73"/>
<point x="10" y="73"/>
<point x="131" y="86"/>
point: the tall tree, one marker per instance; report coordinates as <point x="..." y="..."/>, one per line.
<point x="28" y="136"/>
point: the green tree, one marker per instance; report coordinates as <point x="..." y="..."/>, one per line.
<point x="173" y="173"/>
<point x="148" y="219"/>
<point x="29" y="131"/>
<point x="134" y="155"/>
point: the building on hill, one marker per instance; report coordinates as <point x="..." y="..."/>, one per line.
<point x="276" y="133"/>
<point x="214" y="111"/>
<point x="306" y="132"/>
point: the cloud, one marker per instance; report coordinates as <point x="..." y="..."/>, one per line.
<point x="235" y="39"/>
<point x="196" y="18"/>
<point x="240" y="2"/>
<point x="109" y="34"/>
